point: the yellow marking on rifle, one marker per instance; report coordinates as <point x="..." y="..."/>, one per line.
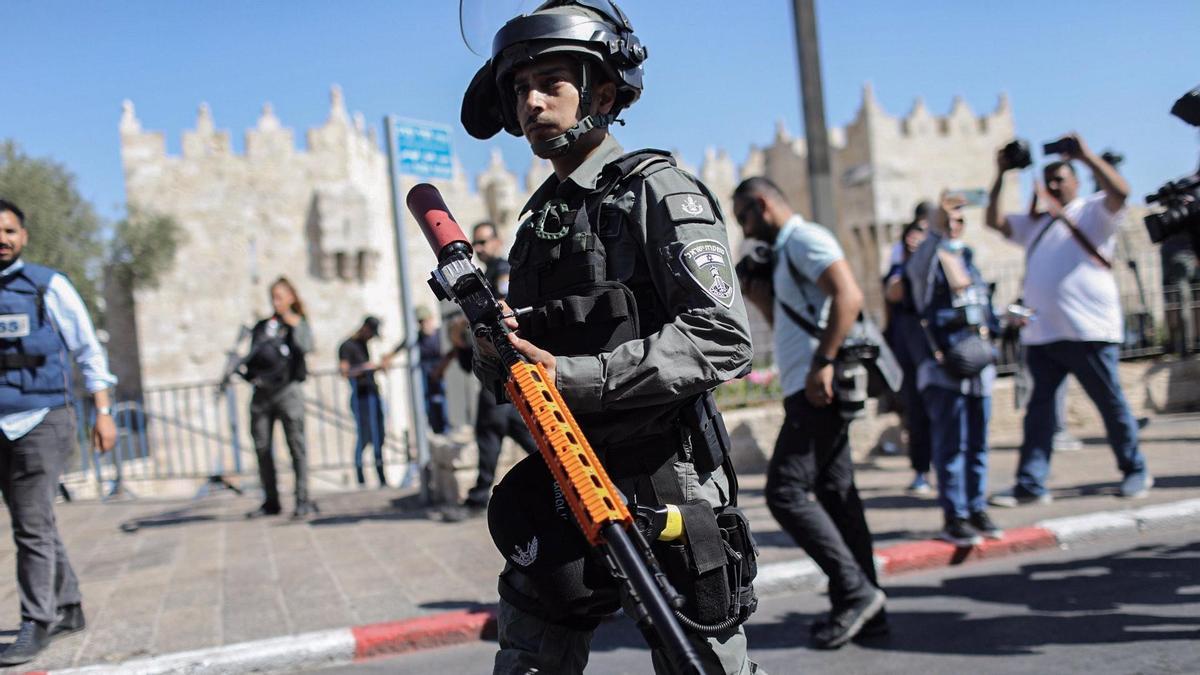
<point x="589" y="491"/>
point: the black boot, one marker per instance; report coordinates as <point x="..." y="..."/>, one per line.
<point x="846" y="622"/>
<point x="31" y="639"/>
<point x="267" y="509"/>
<point x="70" y="620"/>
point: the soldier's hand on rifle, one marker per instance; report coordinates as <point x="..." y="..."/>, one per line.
<point x="535" y="354"/>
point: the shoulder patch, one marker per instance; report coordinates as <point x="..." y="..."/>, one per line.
<point x="689" y="207"/>
<point x="707" y="263"/>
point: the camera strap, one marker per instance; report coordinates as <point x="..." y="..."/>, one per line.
<point x="1076" y="234"/>
<point x="1086" y="243"/>
<point x="809" y="326"/>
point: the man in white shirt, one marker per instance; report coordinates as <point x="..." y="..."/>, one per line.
<point x="42" y="321"/>
<point x="1078" y="325"/>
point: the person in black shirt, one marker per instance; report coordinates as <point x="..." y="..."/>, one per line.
<point x="493" y="421"/>
<point x="354" y="363"/>
<point x="275" y="366"/>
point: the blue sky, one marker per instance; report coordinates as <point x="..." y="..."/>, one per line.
<point x="720" y="72"/>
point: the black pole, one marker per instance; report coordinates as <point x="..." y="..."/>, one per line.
<point x="812" y="100"/>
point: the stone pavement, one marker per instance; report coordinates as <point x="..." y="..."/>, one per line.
<point x="194" y="574"/>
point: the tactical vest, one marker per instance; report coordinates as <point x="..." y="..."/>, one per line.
<point x="33" y="356"/>
<point x="583" y="286"/>
<point x="957" y="316"/>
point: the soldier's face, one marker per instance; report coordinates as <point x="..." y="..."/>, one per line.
<point x="13" y="237"/>
<point x="547" y="94"/>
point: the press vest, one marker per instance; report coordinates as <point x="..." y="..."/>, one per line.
<point x="954" y="317"/>
<point x="33" y="356"/>
<point x="583" y="286"/>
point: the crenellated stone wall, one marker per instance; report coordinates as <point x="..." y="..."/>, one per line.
<point x="321" y="215"/>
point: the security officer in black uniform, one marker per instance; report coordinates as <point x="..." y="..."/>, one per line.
<point x="636" y="315"/>
<point x="493" y="419"/>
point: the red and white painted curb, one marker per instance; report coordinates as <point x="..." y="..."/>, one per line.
<point x="345" y="645"/>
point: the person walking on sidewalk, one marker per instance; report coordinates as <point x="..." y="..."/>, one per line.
<point x="632" y="308"/>
<point x="354" y="363"/>
<point x="1078" y="325"/>
<point x="955" y="371"/>
<point x="44" y="326"/>
<point x="493" y="419"/>
<point x="276" y="368"/>
<point x="812" y="302"/>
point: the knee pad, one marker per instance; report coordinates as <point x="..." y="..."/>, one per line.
<point x="552" y="572"/>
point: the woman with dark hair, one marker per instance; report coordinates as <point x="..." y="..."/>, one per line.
<point x="275" y="366"/>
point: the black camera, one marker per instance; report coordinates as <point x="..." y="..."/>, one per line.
<point x="756" y="264"/>
<point x="1063" y="146"/>
<point x="851" y="378"/>
<point x="865" y="368"/>
<point x="1016" y="154"/>
<point x="1180" y="198"/>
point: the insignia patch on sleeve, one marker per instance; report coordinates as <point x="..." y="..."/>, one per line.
<point x="689" y="207"/>
<point x="707" y="262"/>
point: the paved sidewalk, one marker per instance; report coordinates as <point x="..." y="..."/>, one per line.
<point x="196" y="574"/>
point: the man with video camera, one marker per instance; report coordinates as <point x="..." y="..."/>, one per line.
<point x="809" y="295"/>
<point x="1077" y="326"/>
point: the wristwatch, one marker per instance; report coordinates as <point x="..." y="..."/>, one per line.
<point x="819" y="361"/>
<point x="106" y="410"/>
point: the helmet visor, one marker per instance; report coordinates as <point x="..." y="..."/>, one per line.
<point x="480" y="20"/>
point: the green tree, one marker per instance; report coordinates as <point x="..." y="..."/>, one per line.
<point x="143" y="247"/>
<point x="64" y="231"/>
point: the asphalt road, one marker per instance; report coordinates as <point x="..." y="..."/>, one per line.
<point x="1126" y="606"/>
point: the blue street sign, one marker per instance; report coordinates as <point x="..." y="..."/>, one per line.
<point x="423" y="149"/>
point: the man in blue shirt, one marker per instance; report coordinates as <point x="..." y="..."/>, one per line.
<point x="810" y="480"/>
<point x="42" y="321"/>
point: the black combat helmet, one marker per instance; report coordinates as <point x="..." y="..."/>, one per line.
<point x="596" y="32"/>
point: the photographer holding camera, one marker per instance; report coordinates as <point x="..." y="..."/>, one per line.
<point x="955" y="370"/>
<point x="1077" y="325"/>
<point x="810" y="481"/>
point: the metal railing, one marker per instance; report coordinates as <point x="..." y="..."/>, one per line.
<point x="198" y="431"/>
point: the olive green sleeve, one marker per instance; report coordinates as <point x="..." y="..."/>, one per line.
<point x="706" y="338"/>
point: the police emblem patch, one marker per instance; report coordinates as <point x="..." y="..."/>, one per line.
<point x="689" y="207"/>
<point x="525" y="556"/>
<point x="707" y="262"/>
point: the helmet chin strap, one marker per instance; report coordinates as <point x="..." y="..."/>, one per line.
<point x="562" y="143"/>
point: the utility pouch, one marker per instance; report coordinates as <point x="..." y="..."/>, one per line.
<point x="710" y="438"/>
<point x="713" y="568"/>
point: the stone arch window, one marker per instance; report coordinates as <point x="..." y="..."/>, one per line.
<point x="342" y="265"/>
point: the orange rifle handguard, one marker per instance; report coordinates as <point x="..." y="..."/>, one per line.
<point x="589" y="491"/>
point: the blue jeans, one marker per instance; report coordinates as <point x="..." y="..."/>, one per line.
<point x="368" y="419"/>
<point x="1094" y="365"/>
<point x="958" y="430"/>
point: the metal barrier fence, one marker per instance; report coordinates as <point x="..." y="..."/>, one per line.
<point x="199" y="431"/>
